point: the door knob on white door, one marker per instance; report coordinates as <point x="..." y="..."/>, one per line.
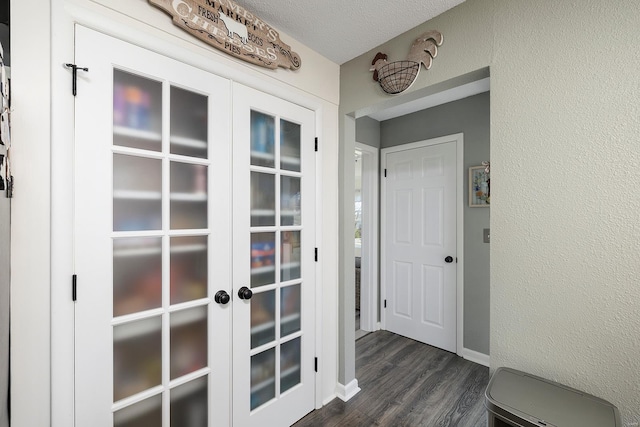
<point x="448" y="259"/>
<point x="221" y="297"/>
<point x="245" y="293"/>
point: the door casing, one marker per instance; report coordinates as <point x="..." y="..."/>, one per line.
<point x="369" y="254"/>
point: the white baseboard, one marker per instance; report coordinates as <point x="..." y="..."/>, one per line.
<point x="328" y="400"/>
<point x="346" y="392"/>
<point x="476" y="357"/>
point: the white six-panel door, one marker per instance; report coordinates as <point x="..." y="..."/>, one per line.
<point x="419" y="242"/>
<point x="162" y="335"/>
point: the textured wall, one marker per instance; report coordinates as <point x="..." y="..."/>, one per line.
<point x="566" y="235"/>
<point x="471" y="117"/>
<point x="565" y="121"/>
<point x="357" y="88"/>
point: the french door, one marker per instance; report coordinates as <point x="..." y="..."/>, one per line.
<point x="273" y="253"/>
<point x="194" y="262"/>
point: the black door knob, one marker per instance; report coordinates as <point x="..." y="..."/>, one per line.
<point x="448" y="259"/>
<point x="245" y="293"/>
<point x="222" y="297"/>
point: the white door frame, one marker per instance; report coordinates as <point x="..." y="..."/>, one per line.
<point x="369" y="249"/>
<point x="458" y="138"/>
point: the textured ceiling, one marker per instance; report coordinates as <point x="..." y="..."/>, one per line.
<point x="343" y="29"/>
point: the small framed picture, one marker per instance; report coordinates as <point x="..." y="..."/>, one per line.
<point x="479" y="187"/>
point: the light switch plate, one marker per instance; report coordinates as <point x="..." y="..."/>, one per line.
<point x="485" y="235"/>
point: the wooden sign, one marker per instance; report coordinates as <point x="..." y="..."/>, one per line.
<point x="229" y="27"/>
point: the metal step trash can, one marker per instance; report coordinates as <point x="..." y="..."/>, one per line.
<point x="517" y="399"/>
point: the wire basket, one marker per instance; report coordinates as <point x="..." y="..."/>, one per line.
<point x="398" y="76"/>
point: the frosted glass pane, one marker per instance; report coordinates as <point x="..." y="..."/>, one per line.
<point x="263" y="318"/>
<point x="137" y="357"/>
<point x="137" y="199"/>
<point x="290" y="213"/>
<point x="263" y="199"/>
<point x="289" y="146"/>
<point x="289" y="310"/>
<point x="137" y="274"/>
<point x="263" y="382"/>
<point x="289" y="364"/>
<point x="142" y="414"/>
<point x="290" y="269"/>
<point x="188" y="123"/>
<point x="263" y="259"/>
<point x="137" y="111"/>
<point x="188" y="268"/>
<point x="262" y="139"/>
<point x="189" y="404"/>
<point x="188" y="196"/>
<point x="188" y="340"/>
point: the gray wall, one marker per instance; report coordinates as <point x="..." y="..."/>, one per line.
<point x="368" y="131"/>
<point x="471" y="117"/>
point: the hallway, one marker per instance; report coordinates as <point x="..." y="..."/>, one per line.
<point x="407" y="383"/>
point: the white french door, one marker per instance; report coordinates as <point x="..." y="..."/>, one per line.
<point x="420" y="241"/>
<point x="164" y="242"/>
<point x="273" y="254"/>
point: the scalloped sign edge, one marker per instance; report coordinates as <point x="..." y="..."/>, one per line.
<point x="232" y="29"/>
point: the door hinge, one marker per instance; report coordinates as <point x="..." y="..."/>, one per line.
<point x="74" y="76"/>
<point x="10" y="181"/>
<point x="385" y="303"/>
<point x="316" y="143"/>
<point x="385" y="173"/>
<point x="315" y="364"/>
<point x="74" y="287"/>
<point x="316" y="256"/>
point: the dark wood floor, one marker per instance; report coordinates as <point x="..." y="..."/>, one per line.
<point x="407" y="383"/>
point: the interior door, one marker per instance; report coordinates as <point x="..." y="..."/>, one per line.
<point x="419" y="265"/>
<point x="274" y="267"/>
<point x="152" y="239"/>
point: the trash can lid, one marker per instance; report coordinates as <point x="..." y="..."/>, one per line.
<point x="536" y="399"/>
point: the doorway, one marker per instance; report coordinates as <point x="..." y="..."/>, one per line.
<point x="463" y="108"/>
